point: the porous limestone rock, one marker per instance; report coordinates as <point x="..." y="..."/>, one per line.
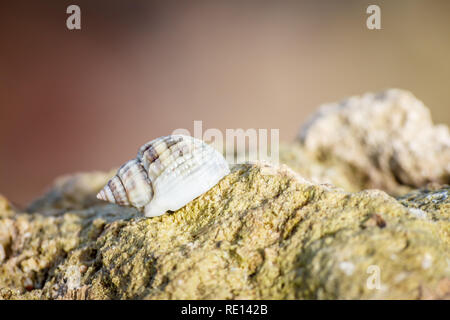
<point x="263" y="232"/>
<point x="337" y="173"/>
<point x="385" y="140"/>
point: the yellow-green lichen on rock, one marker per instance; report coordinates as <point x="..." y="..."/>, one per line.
<point x="262" y="233"/>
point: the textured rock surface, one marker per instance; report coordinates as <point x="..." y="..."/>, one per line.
<point x="385" y="141"/>
<point x="262" y="232"/>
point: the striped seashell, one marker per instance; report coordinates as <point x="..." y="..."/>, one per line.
<point x="167" y="173"/>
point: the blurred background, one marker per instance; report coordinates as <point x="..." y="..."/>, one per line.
<point x="86" y="100"/>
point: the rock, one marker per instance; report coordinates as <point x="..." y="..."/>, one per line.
<point x="71" y="192"/>
<point x="263" y="232"/>
<point x="434" y="201"/>
<point x="337" y="173"/>
<point x="6" y="208"/>
<point x="385" y="141"/>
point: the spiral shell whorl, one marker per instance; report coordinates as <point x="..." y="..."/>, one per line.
<point x="129" y="187"/>
<point x="167" y="173"/>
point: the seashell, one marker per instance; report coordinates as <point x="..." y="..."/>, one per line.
<point x="167" y="173"/>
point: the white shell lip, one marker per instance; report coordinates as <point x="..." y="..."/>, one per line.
<point x="194" y="185"/>
<point x="167" y="173"/>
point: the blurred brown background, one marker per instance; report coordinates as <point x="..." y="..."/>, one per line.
<point x="86" y="100"/>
